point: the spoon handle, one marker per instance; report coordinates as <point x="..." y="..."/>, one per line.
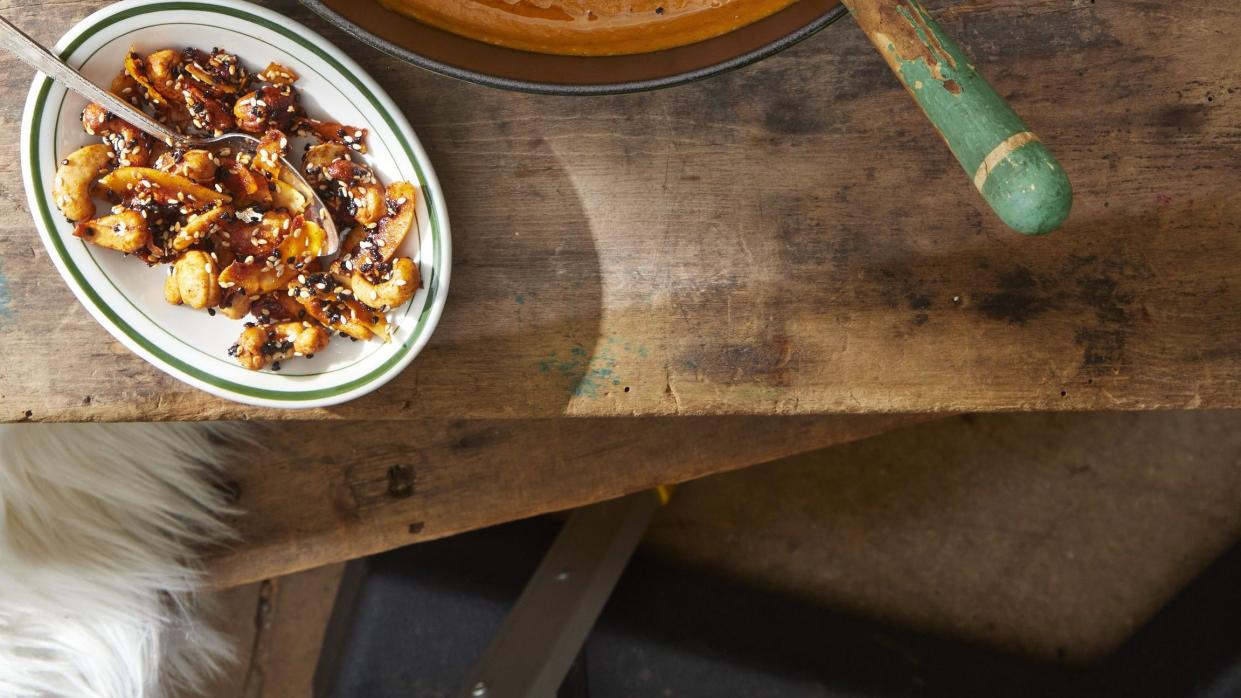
<point x="31" y="52"/>
<point x="1012" y="169"/>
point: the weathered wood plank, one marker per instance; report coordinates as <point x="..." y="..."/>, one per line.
<point x="789" y="238"/>
<point x="278" y="627"/>
<point x="339" y="490"/>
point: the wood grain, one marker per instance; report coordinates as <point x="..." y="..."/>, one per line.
<point x="338" y="490"/>
<point x="788" y="238"/>
<point x="277" y="626"/>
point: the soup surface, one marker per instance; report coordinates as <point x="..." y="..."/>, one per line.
<point x="588" y="27"/>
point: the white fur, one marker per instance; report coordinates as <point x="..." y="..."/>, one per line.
<point x="98" y="527"/>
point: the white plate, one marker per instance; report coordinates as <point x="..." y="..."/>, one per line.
<point x="126" y="297"/>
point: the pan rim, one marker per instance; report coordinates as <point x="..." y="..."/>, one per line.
<point x="609" y="88"/>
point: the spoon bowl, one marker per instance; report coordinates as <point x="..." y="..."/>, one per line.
<point x="315" y="208"/>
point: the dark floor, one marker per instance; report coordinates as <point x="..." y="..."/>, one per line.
<point x="1047" y="535"/>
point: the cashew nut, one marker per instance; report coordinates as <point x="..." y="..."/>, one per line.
<point x="259" y="346"/>
<point x="235" y="304"/>
<point x="75" y="177"/>
<point x="393" y="289"/>
<point x="198" y="279"/>
<point x="197" y="165"/>
<point x="126" y="232"/>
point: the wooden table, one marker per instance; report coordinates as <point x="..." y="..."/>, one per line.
<point x="785" y="239"/>
<point x="788" y="239"/>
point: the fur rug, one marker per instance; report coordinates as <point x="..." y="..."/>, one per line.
<point x="98" y="527"/>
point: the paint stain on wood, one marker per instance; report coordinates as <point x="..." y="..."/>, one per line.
<point x="590" y="375"/>
<point x="583" y="375"/>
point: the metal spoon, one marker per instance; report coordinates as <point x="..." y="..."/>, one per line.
<point x="38" y="57"/>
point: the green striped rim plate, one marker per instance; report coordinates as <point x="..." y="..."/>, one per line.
<point x="127" y="298"/>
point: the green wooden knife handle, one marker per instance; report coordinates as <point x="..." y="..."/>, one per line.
<point x="1014" y="171"/>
